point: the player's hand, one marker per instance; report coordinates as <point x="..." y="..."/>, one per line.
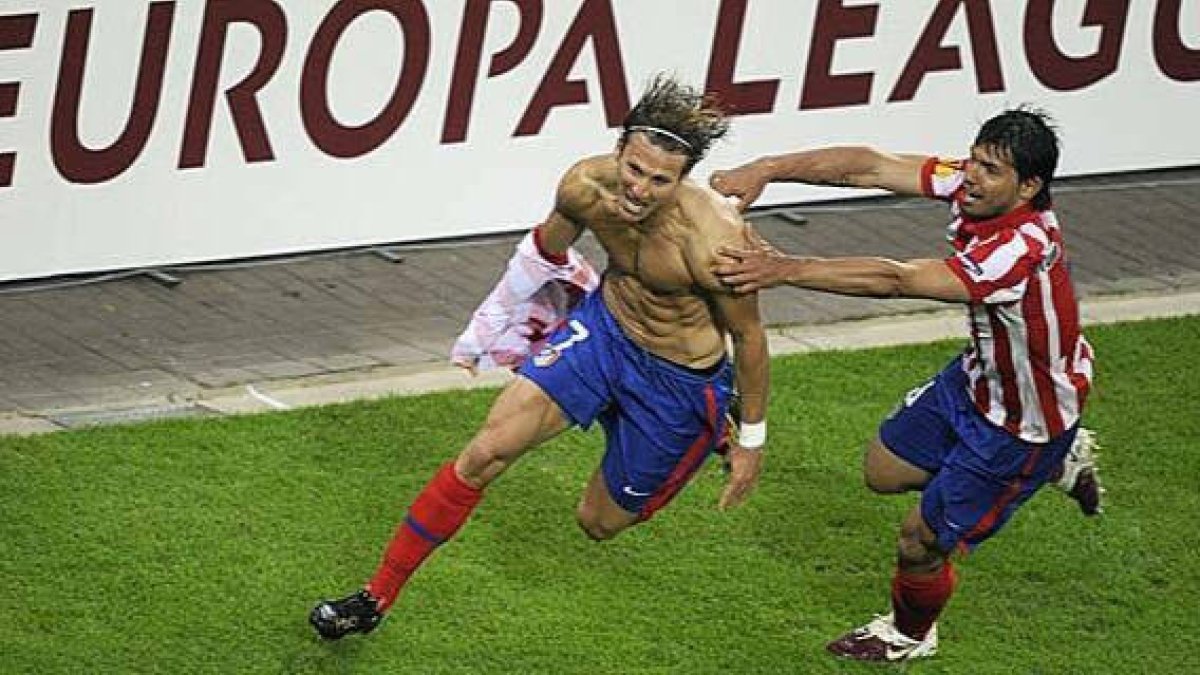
<point x="744" y="469"/>
<point x="744" y="183"/>
<point x="469" y="366"/>
<point x="755" y="266"/>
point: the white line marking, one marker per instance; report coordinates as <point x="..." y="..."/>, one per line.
<point x="274" y="403"/>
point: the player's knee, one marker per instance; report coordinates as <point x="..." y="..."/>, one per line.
<point x="885" y="473"/>
<point x="915" y="553"/>
<point x="878" y="479"/>
<point x="593" y="527"/>
<point x="595" y="524"/>
<point x="877" y="482"/>
<point x="483" y="460"/>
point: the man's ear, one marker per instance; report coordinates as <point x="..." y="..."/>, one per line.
<point x="1029" y="188"/>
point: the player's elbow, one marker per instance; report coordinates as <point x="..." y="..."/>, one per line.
<point x="883" y="283"/>
<point x="930" y="279"/>
<point x="861" y="167"/>
<point x="747" y="337"/>
<point x="899" y="280"/>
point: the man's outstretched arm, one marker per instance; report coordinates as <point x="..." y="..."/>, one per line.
<point x="843" y="166"/>
<point x="747" y="270"/>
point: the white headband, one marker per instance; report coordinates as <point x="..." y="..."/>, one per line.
<point x="671" y="135"/>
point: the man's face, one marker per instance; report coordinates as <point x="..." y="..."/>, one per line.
<point x="992" y="186"/>
<point x="649" y="176"/>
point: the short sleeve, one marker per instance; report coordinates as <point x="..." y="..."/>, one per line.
<point x="997" y="270"/>
<point x="941" y="178"/>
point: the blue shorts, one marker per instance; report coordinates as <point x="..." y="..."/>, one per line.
<point x="661" y="420"/>
<point x="981" y="473"/>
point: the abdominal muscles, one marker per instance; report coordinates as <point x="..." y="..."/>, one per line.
<point x="676" y="326"/>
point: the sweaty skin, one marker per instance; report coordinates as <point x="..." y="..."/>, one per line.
<point x="661" y="232"/>
<point x="659" y="282"/>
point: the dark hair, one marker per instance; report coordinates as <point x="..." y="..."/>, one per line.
<point x="1029" y="137"/>
<point x="677" y="118"/>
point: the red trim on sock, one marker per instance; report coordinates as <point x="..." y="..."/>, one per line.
<point x="438" y="511"/>
<point x="918" y="599"/>
<point x="556" y="258"/>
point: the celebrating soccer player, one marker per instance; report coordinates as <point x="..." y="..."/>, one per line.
<point x="1002" y="419"/>
<point x="644" y="354"/>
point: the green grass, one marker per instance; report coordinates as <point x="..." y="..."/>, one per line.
<point x="199" y="546"/>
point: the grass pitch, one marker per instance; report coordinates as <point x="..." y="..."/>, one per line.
<point x="199" y="546"/>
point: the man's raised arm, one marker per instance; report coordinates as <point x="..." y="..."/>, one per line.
<point x="843" y="166"/>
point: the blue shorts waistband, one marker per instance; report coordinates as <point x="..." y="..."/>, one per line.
<point x="702" y="374"/>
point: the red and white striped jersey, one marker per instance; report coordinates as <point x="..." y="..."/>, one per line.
<point x="1028" y="366"/>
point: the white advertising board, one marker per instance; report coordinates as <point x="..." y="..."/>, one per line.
<point x="136" y="133"/>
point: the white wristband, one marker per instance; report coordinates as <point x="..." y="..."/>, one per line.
<point x="752" y="436"/>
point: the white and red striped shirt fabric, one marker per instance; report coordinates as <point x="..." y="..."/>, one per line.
<point x="530" y="299"/>
<point x="1028" y="366"/>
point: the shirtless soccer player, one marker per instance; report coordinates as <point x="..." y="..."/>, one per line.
<point x="644" y="354"/>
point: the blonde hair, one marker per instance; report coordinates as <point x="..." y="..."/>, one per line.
<point x="677" y="118"/>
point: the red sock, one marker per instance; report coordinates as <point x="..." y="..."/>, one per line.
<point x="918" y="599"/>
<point x="436" y="514"/>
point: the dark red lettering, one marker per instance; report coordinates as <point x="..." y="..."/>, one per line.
<point x="268" y="19"/>
<point x="740" y="98"/>
<point x="470" y="50"/>
<point x="835" y="22"/>
<point x="80" y="164"/>
<point x="596" y="22"/>
<point x="1174" y="58"/>
<point x="930" y="56"/>
<point x="331" y="136"/>
<point x="16" y="32"/>
<point x="1061" y="72"/>
<point x="9" y="93"/>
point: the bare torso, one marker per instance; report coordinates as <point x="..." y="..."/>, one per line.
<point x="658" y="284"/>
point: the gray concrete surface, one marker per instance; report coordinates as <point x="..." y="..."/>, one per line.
<point x="257" y="335"/>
